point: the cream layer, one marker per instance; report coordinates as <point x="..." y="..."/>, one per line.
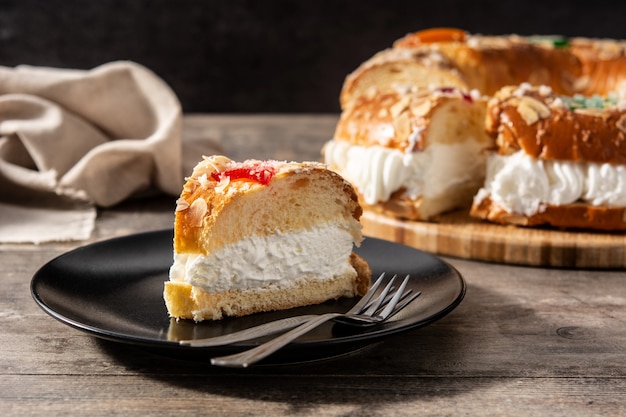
<point x="377" y="171"/>
<point x="256" y="261"/>
<point x="521" y="184"/>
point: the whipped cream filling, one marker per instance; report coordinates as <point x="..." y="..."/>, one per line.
<point x="377" y="171"/>
<point x="256" y="261"/>
<point x="521" y="184"/>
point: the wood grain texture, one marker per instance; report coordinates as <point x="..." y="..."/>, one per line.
<point x="457" y="234"/>
<point x="525" y="341"/>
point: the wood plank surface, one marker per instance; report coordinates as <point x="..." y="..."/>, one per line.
<point x="325" y="396"/>
<point x="525" y="341"/>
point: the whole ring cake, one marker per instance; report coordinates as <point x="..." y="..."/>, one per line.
<point x="525" y="130"/>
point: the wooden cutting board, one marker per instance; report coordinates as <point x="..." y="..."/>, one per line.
<point x="458" y="235"/>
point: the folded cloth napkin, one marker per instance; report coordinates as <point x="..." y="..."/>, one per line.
<point x="71" y="140"/>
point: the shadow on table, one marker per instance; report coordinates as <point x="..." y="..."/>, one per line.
<point x="433" y="361"/>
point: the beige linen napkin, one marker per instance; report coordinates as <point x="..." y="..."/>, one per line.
<point x="71" y="140"/>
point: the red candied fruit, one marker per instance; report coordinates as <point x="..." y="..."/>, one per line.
<point x="451" y="90"/>
<point x="260" y="173"/>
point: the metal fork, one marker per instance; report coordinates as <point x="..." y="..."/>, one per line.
<point x="363" y="313"/>
<point x="288" y="323"/>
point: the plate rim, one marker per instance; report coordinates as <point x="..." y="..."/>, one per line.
<point x="136" y="340"/>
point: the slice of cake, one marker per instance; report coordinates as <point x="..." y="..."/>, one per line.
<point x="412" y="155"/>
<point x="560" y="161"/>
<point x="259" y="236"/>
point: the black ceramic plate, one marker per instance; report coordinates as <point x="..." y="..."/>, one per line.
<point x="113" y="290"/>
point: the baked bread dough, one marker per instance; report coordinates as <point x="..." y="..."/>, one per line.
<point x="394" y="159"/>
<point x="259" y="236"/>
<point x="559" y="160"/>
<point x="487" y="63"/>
<point x="412" y="155"/>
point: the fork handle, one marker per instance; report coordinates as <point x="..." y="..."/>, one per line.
<point x="251" y="356"/>
<point x="250" y="333"/>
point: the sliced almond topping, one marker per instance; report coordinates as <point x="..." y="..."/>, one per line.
<point x="621" y="123"/>
<point x="400" y="106"/>
<point x="422" y="108"/>
<point x="197" y="212"/>
<point x="402" y="126"/>
<point x="532" y="110"/>
<point x="181" y="204"/>
<point x="221" y="186"/>
<point x="210" y="165"/>
<point x="592" y="112"/>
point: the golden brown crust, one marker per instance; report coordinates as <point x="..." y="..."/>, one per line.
<point x="399" y="206"/>
<point x="363" y="274"/>
<point x="390" y="119"/>
<point x="485" y="63"/>
<point x="393" y="70"/>
<point x="204" y="210"/>
<point x="603" y="65"/>
<point x="570" y="216"/>
<point x="541" y="124"/>
<point x="488" y="63"/>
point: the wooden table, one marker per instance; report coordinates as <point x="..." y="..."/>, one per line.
<point x="525" y="341"/>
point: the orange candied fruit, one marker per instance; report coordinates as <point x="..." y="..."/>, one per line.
<point x="431" y="36"/>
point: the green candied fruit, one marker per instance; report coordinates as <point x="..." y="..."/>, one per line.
<point x="578" y="101"/>
<point x="556" y="41"/>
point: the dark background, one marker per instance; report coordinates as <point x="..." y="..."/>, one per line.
<point x="265" y="56"/>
